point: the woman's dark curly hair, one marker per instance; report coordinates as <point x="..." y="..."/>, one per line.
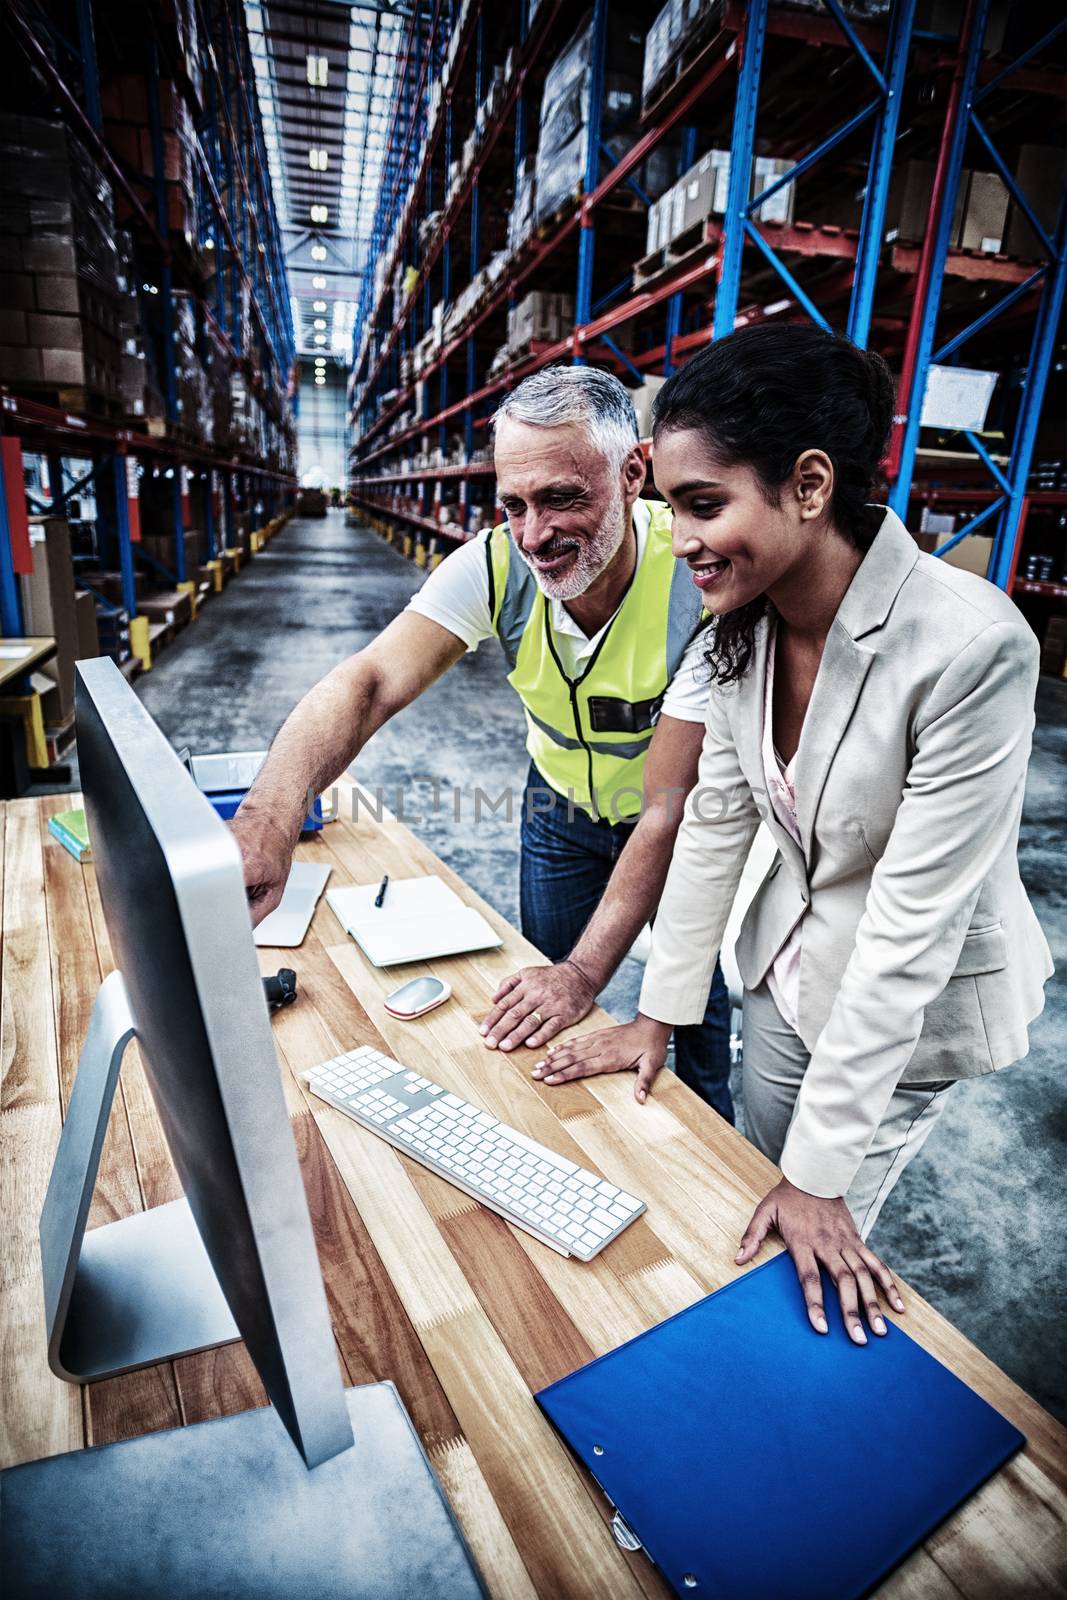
<point x="760" y="397"/>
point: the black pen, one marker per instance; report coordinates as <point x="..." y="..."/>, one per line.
<point x="380" y="896"/>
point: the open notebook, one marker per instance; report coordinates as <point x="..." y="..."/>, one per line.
<point x="421" y="918"/>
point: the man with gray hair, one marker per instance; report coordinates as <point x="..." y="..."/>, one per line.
<point x="600" y="628"/>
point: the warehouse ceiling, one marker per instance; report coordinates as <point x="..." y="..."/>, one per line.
<point x="324" y="72"/>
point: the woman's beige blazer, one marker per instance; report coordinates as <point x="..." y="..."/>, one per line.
<point x="922" y="957"/>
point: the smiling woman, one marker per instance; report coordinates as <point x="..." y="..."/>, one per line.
<point x="760" y="402"/>
<point x="872" y="707"/>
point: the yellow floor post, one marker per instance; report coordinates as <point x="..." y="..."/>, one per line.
<point x="218" y="576"/>
<point x="139" y="642"/>
<point x="27" y="708"/>
<point x="192" y="590"/>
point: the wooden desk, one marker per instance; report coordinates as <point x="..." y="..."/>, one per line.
<point x="31" y="653"/>
<point x="467" y="1315"/>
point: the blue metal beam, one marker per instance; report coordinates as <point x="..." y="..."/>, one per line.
<point x="969" y="527"/>
<point x="742" y="142"/>
<point x="1042" y="348"/>
<point x="621" y="355"/>
<point x="872" y="226"/>
<point x="988" y="316"/>
<point x="179" y="524"/>
<point x="583" y="298"/>
<point x="116" y="465"/>
<point x="159" y="185"/>
<point x="795" y="289"/>
<point x="90" y="71"/>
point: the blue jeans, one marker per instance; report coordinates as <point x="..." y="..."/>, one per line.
<point x="565" y="866"/>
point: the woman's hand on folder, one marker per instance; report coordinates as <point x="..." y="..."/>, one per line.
<point x="639" y="1046"/>
<point x="820" y="1232"/>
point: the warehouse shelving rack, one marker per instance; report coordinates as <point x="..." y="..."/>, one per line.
<point x="241" y="230"/>
<point x="891" y="293"/>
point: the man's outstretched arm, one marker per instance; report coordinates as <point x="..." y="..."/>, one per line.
<point x="565" y="992"/>
<point x="323" y="736"/>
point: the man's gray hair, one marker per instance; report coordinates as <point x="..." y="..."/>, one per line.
<point x="557" y="395"/>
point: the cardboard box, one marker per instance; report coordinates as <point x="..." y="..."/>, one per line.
<point x="1040" y="174"/>
<point x="908" y="206"/>
<point x="985" y="213"/>
<point x="972" y="553"/>
<point x="643" y="398"/>
<point x="48" y="608"/>
<point x="87" y="632"/>
<point x="175" y="606"/>
<point x="766" y="170"/>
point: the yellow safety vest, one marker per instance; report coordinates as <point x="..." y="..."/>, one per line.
<point x="588" y="736"/>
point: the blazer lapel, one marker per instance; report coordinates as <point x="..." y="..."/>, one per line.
<point x="846" y="662"/>
<point x="840" y="677"/>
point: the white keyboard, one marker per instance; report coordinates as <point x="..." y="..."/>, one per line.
<point x="563" y="1205"/>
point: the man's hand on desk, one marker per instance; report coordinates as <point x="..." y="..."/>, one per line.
<point x="639" y="1046"/>
<point x="819" y="1232"/>
<point x="266" y="857"/>
<point x="532" y="1005"/>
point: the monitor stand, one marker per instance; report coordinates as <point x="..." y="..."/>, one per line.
<point x="228" y="1508"/>
<point x="136" y="1291"/>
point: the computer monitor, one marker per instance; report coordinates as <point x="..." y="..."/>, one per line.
<point x="226" y="1506"/>
<point x="188" y="985"/>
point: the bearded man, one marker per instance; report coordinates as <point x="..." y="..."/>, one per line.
<point x="601" y="633"/>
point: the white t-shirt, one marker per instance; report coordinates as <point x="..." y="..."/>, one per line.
<point x="456" y="595"/>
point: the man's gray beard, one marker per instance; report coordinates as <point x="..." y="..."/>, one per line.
<point x="594" y="555"/>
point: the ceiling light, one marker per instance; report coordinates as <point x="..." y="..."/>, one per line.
<point x="318" y="252"/>
<point x="318" y="159"/>
<point x="318" y="71"/>
<point x="320" y="338"/>
<point x="320" y="322"/>
<point x="318" y="283"/>
<point x="320" y="381"/>
<point x="320" y="213"/>
<point x="319" y="305"/>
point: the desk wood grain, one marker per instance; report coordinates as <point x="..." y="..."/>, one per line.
<point x="466" y="1314"/>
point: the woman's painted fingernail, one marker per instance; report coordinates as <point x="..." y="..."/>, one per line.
<point x="879" y="1325"/>
<point x="484" y="1027"/>
<point x="898" y="1303"/>
<point x="820" y="1323"/>
<point x="858" y="1334"/>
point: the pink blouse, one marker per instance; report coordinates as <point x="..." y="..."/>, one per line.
<point x="783" y="980"/>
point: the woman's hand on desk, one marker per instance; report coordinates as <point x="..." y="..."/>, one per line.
<point x="819" y="1232"/>
<point x="639" y="1046"/>
<point x="535" y="1003"/>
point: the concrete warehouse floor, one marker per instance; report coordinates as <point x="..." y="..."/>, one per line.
<point x="978" y="1224"/>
